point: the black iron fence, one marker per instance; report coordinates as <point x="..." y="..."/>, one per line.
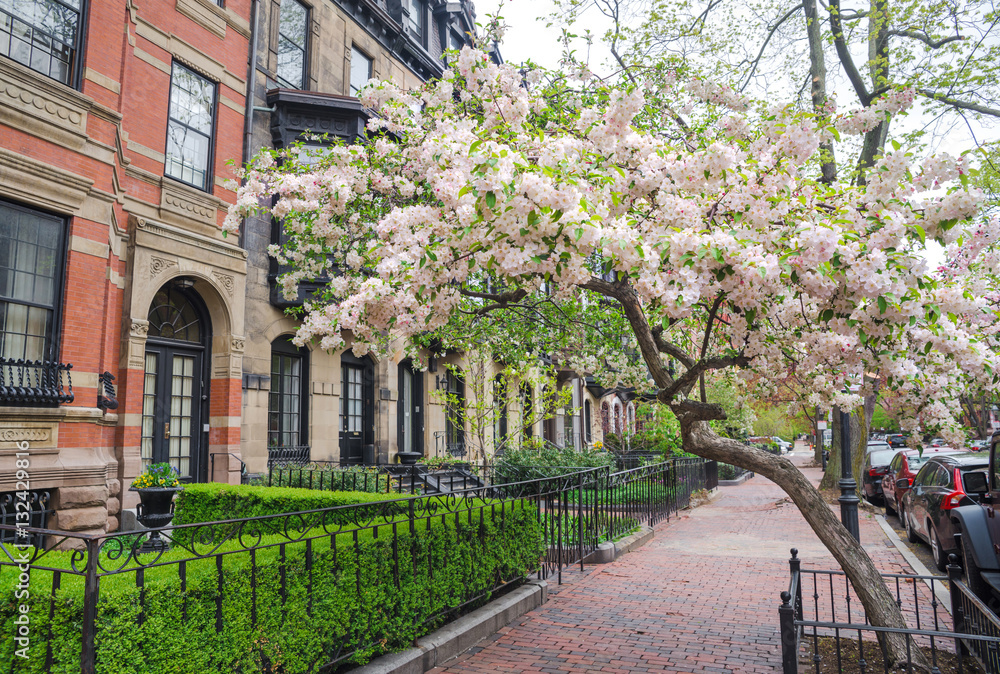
<point x="822" y="620"/>
<point x="30" y="508"/>
<point x="292" y="455"/>
<point x="35" y="383"/>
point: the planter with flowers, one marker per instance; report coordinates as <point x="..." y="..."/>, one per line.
<point x="156" y="487"/>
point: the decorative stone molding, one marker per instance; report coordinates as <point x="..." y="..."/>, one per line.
<point x="157" y="265"/>
<point x="30" y="181"/>
<point x="41" y="106"/>
<point x="25" y="434"/>
<point x="237" y="344"/>
<point x="226" y="281"/>
<point x="187" y="204"/>
<point x="139" y="329"/>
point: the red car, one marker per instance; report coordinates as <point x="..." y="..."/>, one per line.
<point x="905" y="464"/>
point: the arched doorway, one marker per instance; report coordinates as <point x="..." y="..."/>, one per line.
<point x="175" y="384"/>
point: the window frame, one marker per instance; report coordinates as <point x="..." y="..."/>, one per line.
<point x="210" y="161"/>
<point x="75" y="74"/>
<point x="421" y="37"/>
<point x="351" y="91"/>
<point x="282" y="346"/>
<point x="53" y="345"/>
<point x="305" y="47"/>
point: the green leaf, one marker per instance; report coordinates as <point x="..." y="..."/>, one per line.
<point x="491" y="199"/>
<point x="882" y="305"/>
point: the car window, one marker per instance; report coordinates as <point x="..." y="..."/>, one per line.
<point x="895" y="463"/>
<point x="881" y="457"/>
<point x="923" y="477"/>
<point x="975" y="482"/>
<point x="917" y="461"/>
<point x="942" y="477"/>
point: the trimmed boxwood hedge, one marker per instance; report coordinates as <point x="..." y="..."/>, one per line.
<point x="355" y="598"/>
<point x="214" y="502"/>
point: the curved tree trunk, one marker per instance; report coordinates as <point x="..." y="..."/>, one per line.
<point x="698" y="438"/>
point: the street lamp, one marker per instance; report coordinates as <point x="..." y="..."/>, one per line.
<point x="848" y="486"/>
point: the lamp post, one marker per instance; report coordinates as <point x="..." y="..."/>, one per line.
<point x="848" y="486"/>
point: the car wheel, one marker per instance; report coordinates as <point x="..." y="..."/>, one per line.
<point x="892" y="509"/>
<point x="940" y="561"/>
<point x="972" y="574"/>
<point x="911" y="535"/>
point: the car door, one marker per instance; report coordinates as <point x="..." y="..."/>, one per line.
<point x="930" y="498"/>
<point x="889" y="481"/>
<point x="916" y="510"/>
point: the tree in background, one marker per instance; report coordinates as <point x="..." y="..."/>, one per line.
<point x="597" y="223"/>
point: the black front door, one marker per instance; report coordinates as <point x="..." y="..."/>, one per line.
<point x="171" y="410"/>
<point x="175" y="390"/>
<point x="410" y="409"/>
<point x="357" y="404"/>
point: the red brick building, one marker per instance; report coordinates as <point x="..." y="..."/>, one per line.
<point x="116" y="123"/>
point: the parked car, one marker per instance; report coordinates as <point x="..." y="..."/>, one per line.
<point x="876" y="465"/>
<point x="937" y="442"/>
<point x="977" y="530"/>
<point x="943" y="484"/>
<point x="978" y="445"/>
<point x="904" y="465"/>
<point x="784" y="444"/>
<point x="896" y="439"/>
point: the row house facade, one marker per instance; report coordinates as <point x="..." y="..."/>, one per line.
<point x="131" y="330"/>
<point x="121" y="304"/>
<point x="299" y="402"/>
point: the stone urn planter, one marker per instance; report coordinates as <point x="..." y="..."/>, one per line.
<point x="155" y="511"/>
<point x="409" y="458"/>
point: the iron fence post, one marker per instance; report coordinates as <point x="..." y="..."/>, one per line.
<point x="88" y="655"/>
<point x="794" y="566"/>
<point x="579" y="515"/>
<point x="957" y="614"/>
<point x="789" y="644"/>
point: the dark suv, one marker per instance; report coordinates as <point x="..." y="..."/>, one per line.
<point x="943" y="484"/>
<point x="896" y="440"/>
<point x="977" y="533"/>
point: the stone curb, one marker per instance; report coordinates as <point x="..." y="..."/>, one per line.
<point x="940" y="589"/>
<point x="738" y="481"/>
<point x="460" y="635"/>
<point x="609" y="552"/>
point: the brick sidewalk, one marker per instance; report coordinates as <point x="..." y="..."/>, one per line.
<point x="702" y="596"/>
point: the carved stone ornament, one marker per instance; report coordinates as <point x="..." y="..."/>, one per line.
<point x="226" y="281"/>
<point x="158" y="264"/>
<point x="25" y="434"/>
<point x="140" y="328"/>
<point x="237" y="344"/>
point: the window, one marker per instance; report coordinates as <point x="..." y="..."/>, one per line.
<point x="293" y="27"/>
<point x="31" y="262"/>
<point x="190" y="127"/>
<point x="500" y="403"/>
<point x="361" y="70"/>
<point x="43" y="35"/>
<point x="416" y="19"/>
<point x="286" y="406"/>
<point x="526" y="412"/>
<point x="587" y="433"/>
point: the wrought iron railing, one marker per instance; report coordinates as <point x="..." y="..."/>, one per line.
<point x="106" y="398"/>
<point x="30" y="508"/>
<point x="820" y="613"/>
<point x="292" y="455"/>
<point x="35" y="383"/>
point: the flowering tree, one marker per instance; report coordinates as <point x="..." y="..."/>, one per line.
<point x="649" y="247"/>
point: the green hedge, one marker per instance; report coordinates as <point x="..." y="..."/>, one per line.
<point x="212" y="502"/>
<point x="357" y="603"/>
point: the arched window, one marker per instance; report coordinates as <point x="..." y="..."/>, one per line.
<point x="605" y="418"/>
<point x="588" y="435"/>
<point x="287" y="409"/>
<point x="630" y="419"/>
<point x="173" y="316"/>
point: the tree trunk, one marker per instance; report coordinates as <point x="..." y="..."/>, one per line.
<point x="871" y="589"/>
<point x="832" y="475"/>
<point x="817" y="87"/>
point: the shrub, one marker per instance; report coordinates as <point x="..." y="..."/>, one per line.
<point x="364" y="596"/>
<point x="214" y="502"/>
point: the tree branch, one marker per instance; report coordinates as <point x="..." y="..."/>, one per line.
<point x="770" y="33"/>
<point x="958" y="103"/>
<point x="844" y="53"/>
<point x="684" y="383"/>
<point x="925" y="38"/>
